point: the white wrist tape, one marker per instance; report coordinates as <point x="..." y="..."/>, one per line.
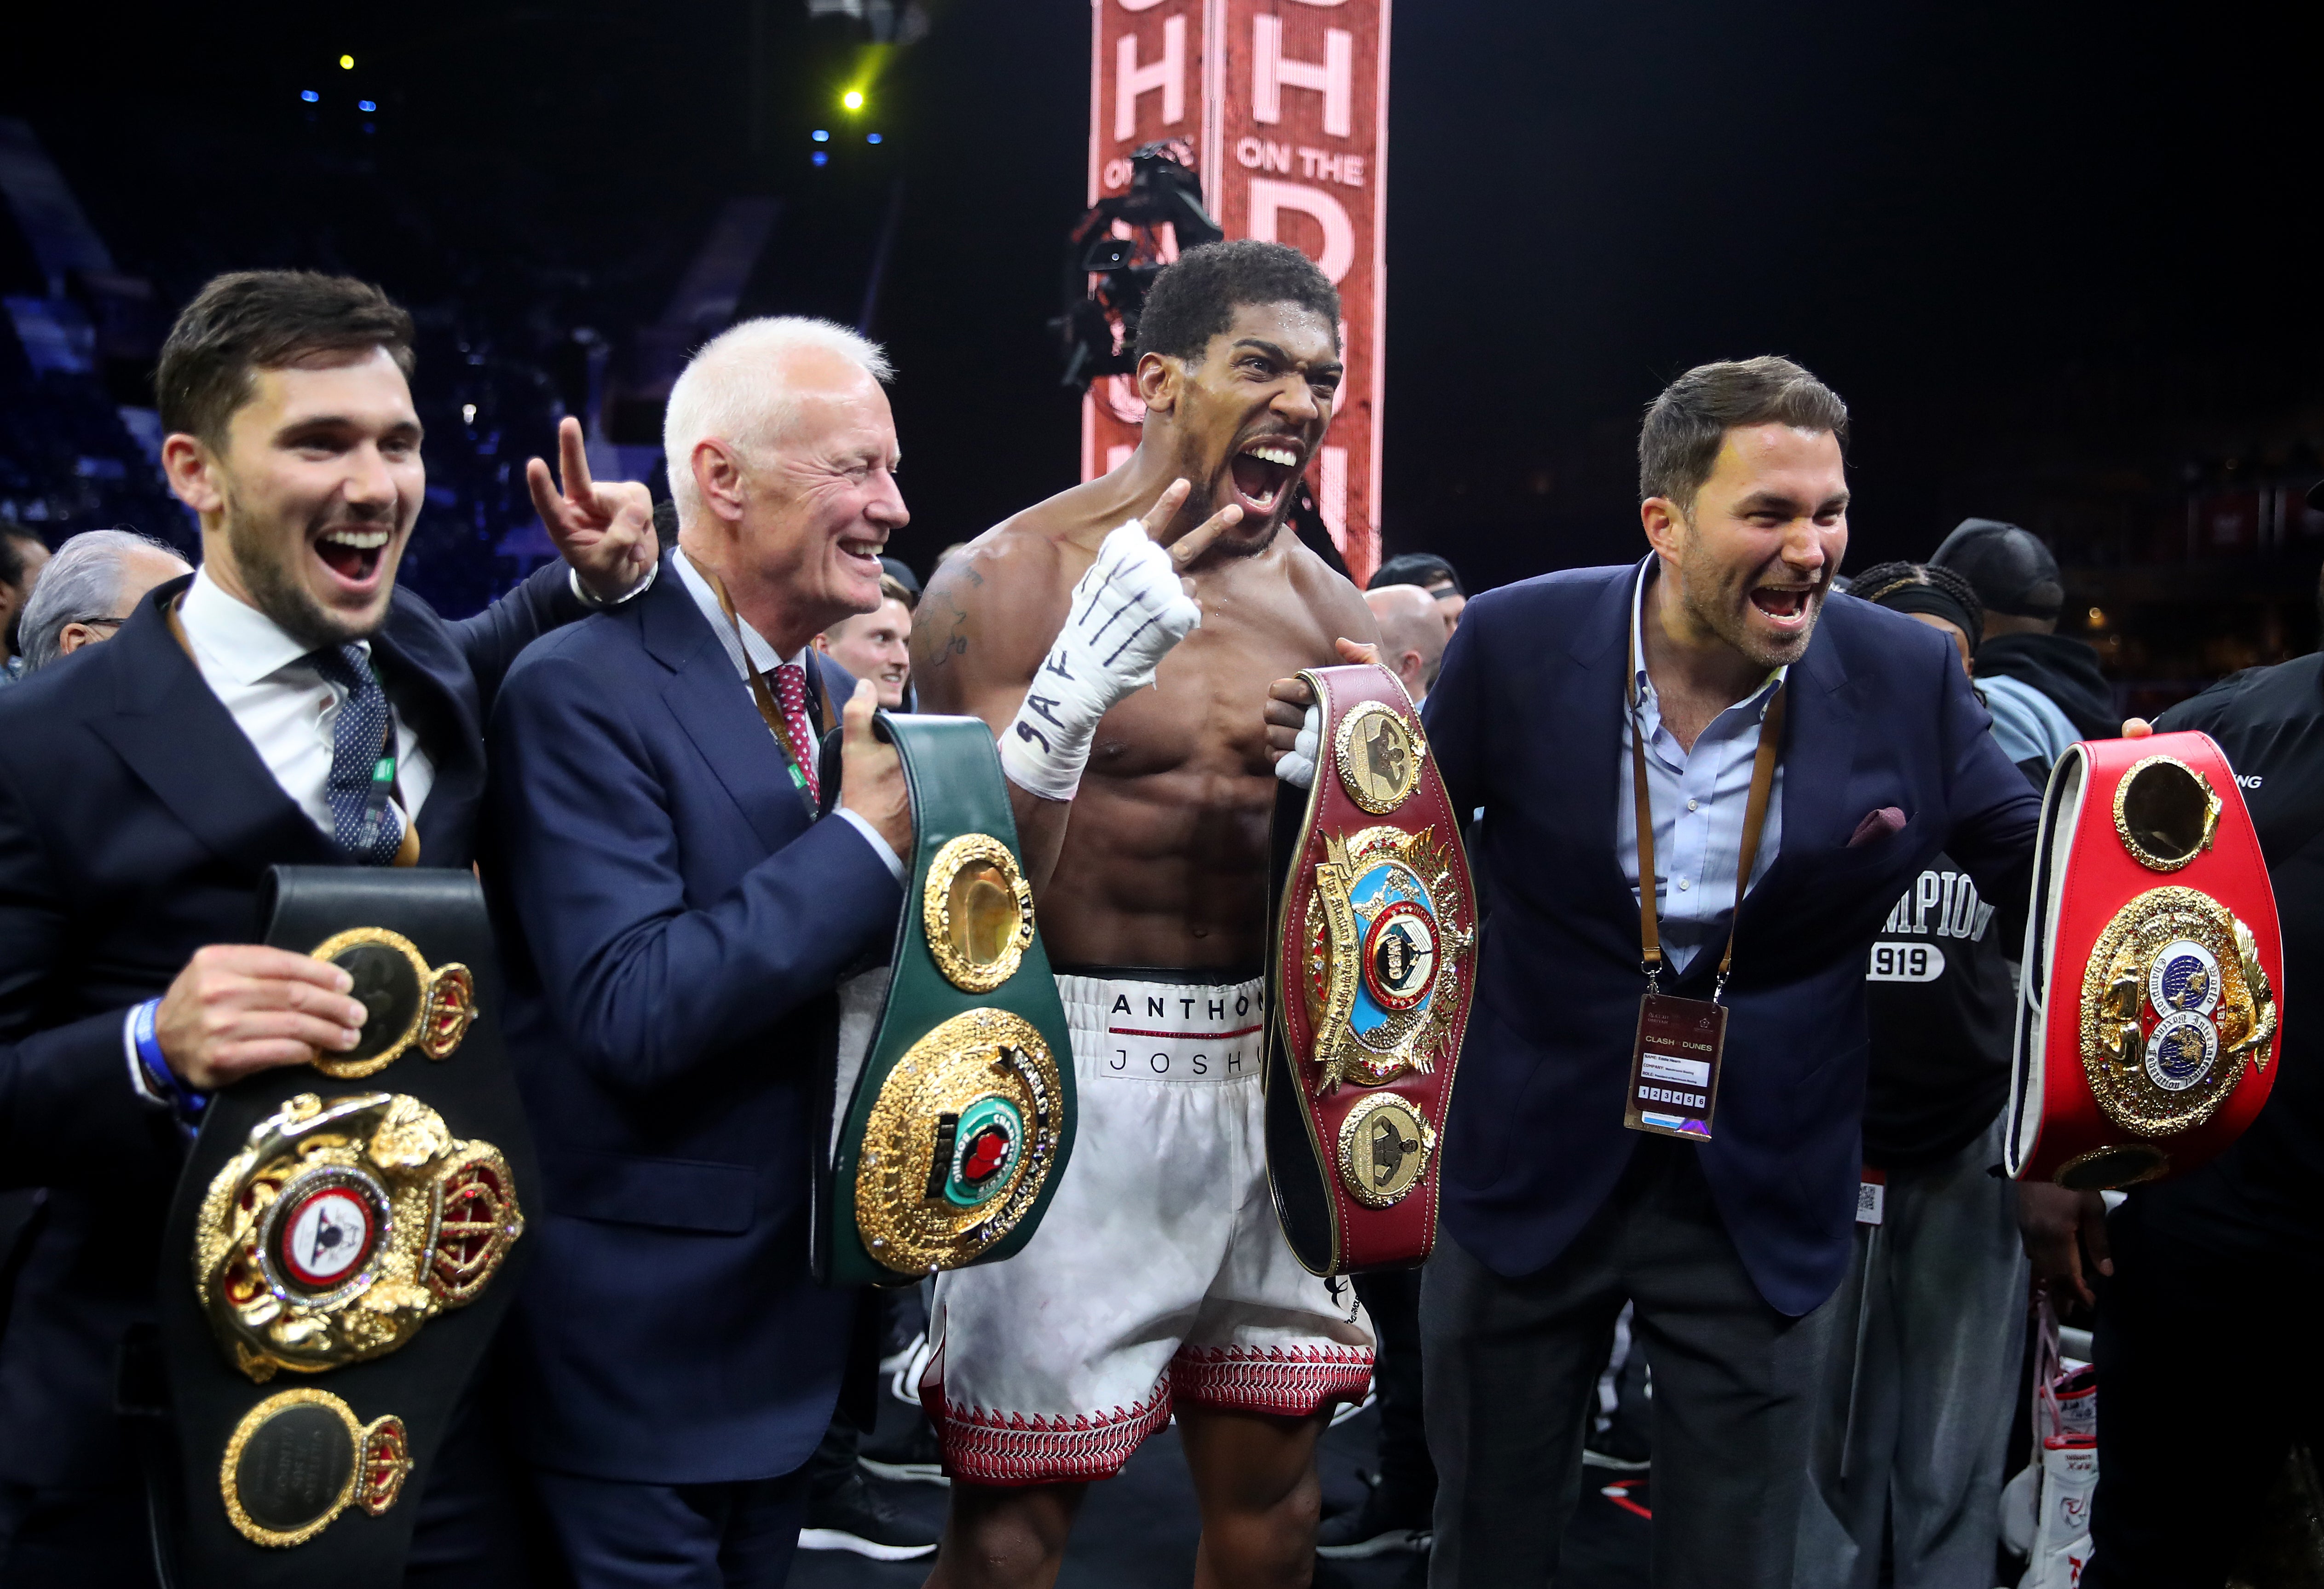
<point x="1128" y="610"/>
<point x="1298" y="768"/>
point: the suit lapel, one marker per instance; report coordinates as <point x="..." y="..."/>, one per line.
<point x="1602" y="649"/>
<point x="1819" y="747"/>
<point x="714" y="707"/>
<point x="182" y="744"/>
<point x="410" y="660"/>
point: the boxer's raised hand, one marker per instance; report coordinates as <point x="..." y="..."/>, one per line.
<point x="872" y="775"/>
<point x="606" y="531"/>
<point x="1125" y="615"/>
<point x="240" y="1008"/>
<point x="1295" y="722"/>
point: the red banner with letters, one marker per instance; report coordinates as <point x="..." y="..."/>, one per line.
<point x="1284" y="106"/>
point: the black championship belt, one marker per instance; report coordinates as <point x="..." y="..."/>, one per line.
<point x="338" y="1252"/>
<point x="1370" y="967"/>
<point x="952" y="1092"/>
<point x="2150" y="1010"/>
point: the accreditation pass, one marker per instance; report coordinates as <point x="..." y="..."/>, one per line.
<point x="1674" y="1068"/>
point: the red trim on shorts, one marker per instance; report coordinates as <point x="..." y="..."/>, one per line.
<point x="1294" y="1382"/>
<point x="1131" y="1032"/>
<point x="988" y="1448"/>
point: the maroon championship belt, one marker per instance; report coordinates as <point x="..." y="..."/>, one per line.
<point x="1369" y="972"/>
<point x="2151" y="1009"/>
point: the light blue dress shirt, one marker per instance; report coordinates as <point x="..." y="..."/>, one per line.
<point x="2027" y="723"/>
<point x="1698" y="799"/>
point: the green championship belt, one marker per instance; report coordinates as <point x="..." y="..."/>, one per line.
<point x="950" y="1129"/>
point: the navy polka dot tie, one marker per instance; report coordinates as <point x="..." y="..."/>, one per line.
<point x="358" y="745"/>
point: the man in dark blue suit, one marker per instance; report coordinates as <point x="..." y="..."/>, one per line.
<point x="238" y="722"/>
<point x="1555" y="693"/>
<point x="678" y="900"/>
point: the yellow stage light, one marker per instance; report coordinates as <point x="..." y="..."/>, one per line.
<point x="346" y="63"/>
<point x="852" y="100"/>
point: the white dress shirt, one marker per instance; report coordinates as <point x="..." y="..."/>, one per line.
<point x="762" y="653"/>
<point x="287" y="711"/>
<point x="285" y="708"/>
<point x="1697" y="798"/>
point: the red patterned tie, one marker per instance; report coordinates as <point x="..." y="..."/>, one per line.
<point x="791" y="690"/>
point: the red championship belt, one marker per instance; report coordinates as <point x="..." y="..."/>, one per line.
<point x="1370" y="973"/>
<point x="2151" y="1008"/>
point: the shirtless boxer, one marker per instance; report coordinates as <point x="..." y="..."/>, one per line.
<point x="1159" y="1280"/>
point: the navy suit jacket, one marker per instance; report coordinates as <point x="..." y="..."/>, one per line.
<point x="136" y="823"/>
<point x="675" y="922"/>
<point x="1526" y="721"/>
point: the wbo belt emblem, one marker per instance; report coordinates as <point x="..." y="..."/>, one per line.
<point x="1382" y="956"/>
<point x="343" y="1227"/>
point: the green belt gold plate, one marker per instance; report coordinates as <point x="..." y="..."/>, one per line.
<point x="956" y="1128"/>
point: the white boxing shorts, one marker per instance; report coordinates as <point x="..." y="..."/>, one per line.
<point x="1159" y="1276"/>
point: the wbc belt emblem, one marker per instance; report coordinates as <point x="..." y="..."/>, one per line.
<point x="2151" y="1010"/>
<point x="1372" y="969"/>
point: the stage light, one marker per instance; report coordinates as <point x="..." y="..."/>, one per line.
<point x="309" y="95"/>
<point x="872" y="137"/>
<point x="468" y="413"/>
<point x="821" y="157"/>
<point x="821" y="136"/>
<point x="852" y="100"/>
<point x="366" y="106"/>
<point x="346" y="63"/>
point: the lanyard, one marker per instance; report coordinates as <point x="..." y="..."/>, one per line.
<point x="758" y="690"/>
<point x="1755" y="816"/>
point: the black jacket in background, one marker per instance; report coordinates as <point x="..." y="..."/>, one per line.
<point x="2261" y="1197"/>
<point x="2064" y="669"/>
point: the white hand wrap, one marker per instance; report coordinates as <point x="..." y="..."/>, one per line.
<point x="1298" y="768"/>
<point x="1128" y="610"/>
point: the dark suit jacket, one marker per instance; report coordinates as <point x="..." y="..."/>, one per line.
<point x="675" y="922"/>
<point x="1526" y="721"/>
<point x="136" y="823"/>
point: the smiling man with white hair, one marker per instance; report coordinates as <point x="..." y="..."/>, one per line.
<point x="89" y="590"/>
<point x="678" y="893"/>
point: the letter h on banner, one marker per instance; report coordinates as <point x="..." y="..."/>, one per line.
<point x="1304" y="75"/>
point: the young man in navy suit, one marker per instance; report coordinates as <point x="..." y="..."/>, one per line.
<point x="1555" y="693"/>
<point x="236" y="721"/>
<point x="679" y="896"/>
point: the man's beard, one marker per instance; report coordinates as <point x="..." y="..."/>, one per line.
<point x="277" y="592"/>
<point x="1704" y="592"/>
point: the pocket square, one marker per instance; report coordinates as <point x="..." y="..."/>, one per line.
<point x="1877" y="826"/>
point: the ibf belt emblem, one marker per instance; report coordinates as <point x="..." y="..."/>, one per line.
<point x="345" y="1226"/>
<point x="2173" y="1001"/>
<point x="1381" y="955"/>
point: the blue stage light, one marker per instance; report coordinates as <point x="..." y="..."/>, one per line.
<point x="366" y="106"/>
<point x="821" y="157"/>
<point x="871" y="137"/>
<point x="309" y="95"/>
<point x="821" y="136"/>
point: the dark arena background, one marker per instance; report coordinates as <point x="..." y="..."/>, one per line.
<point x="2061" y="260"/>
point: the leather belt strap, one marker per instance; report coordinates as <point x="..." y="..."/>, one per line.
<point x="952" y="1107"/>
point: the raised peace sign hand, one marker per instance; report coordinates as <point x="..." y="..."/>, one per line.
<point x="1185" y="546"/>
<point x="606" y="531"/>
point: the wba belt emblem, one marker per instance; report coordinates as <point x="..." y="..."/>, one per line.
<point x="1371" y="968"/>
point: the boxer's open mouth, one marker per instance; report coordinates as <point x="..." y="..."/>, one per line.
<point x="352" y="552"/>
<point x="1785" y="604"/>
<point x="1263" y="471"/>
